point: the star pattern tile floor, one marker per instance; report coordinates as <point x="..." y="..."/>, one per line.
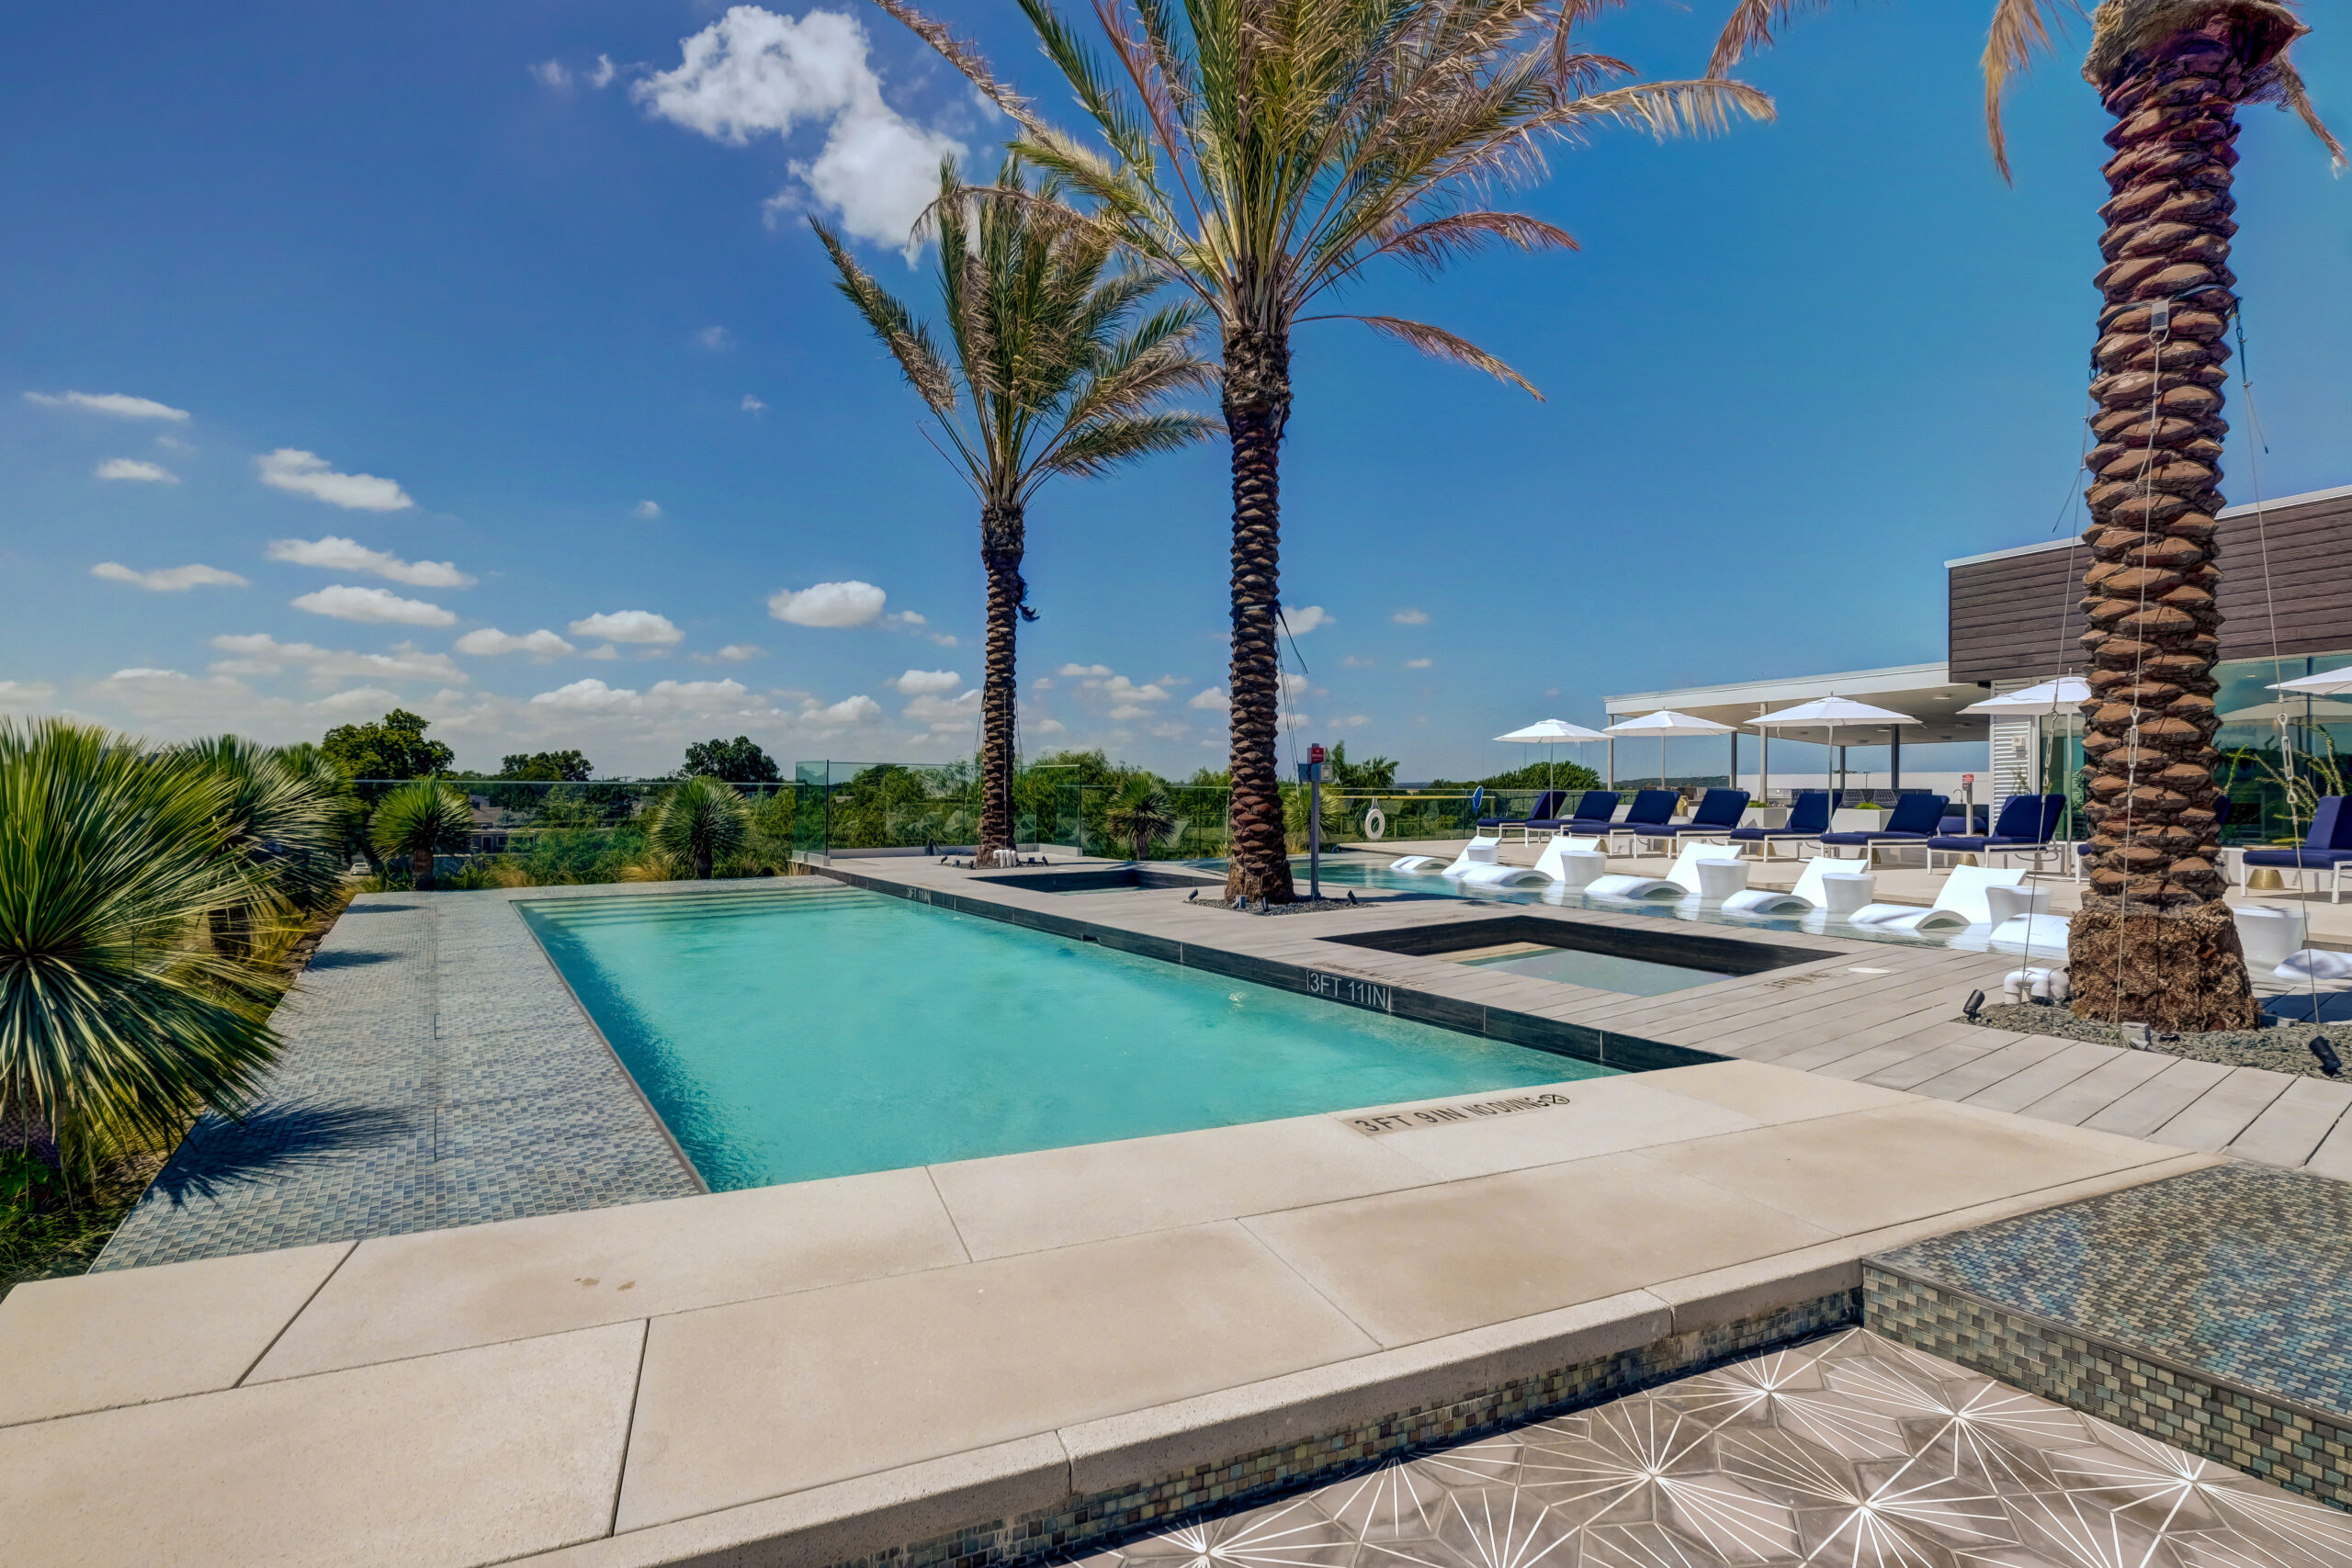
<point x="1848" y="1451"/>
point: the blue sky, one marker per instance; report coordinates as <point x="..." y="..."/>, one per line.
<point x="480" y="355"/>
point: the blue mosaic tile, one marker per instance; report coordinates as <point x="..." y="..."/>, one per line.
<point x="2240" y="1273"/>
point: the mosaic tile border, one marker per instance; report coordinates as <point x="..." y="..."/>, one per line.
<point x="2300" y="1450"/>
<point x="1626" y="1052"/>
<point x="1093" y="1522"/>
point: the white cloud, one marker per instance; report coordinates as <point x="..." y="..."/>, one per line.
<point x="550" y="73"/>
<point x="649" y="510"/>
<point x="1353" y="721"/>
<point x="602" y="650"/>
<point x="1424" y="664"/>
<point x="261" y="654"/>
<point x="1305" y="618"/>
<point x="1119" y="688"/>
<point x="540" y="644"/>
<point x="1046" y="726"/>
<point x="586" y="696"/>
<point x="359" y="699"/>
<point x="338" y="554"/>
<point x="851" y="603"/>
<point x="26" y="691"/>
<point x="1097" y="670"/>
<point x="170" y="579"/>
<point x="171" y="443"/>
<point x="137" y="468"/>
<point x="629" y="626"/>
<point x="1210" y="697"/>
<point x="1352" y="662"/>
<point x="719" y="339"/>
<point x="1411" y="618"/>
<point x="697" y="696"/>
<point x="555" y="73"/>
<point x="753" y="405"/>
<point x="1169" y="730"/>
<point x="1129" y="710"/>
<point x="733" y="653"/>
<point x="753" y="73"/>
<point x="926" y="682"/>
<point x="944" y="712"/>
<point x="860" y="709"/>
<point x="601" y="75"/>
<point x="307" y="473"/>
<point x="117" y="405"/>
<point x="373" y="604"/>
<point x="1294" y="684"/>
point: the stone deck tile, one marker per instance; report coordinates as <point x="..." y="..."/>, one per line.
<point x="2077" y="1102"/>
<point x="2291" y="1130"/>
<point x="2225" y="1111"/>
<point x="1973" y="1078"/>
<point x="2178" y="1085"/>
<point x="2054" y="1072"/>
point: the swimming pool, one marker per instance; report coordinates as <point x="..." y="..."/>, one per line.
<point x="792" y="1034"/>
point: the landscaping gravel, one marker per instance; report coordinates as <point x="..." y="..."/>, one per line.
<point x="2286" y="1049"/>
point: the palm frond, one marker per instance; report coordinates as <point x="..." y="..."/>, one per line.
<point x="2289" y="85"/>
<point x="1439" y="343"/>
<point x="2020" y="29"/>
<point x="1095" y="449"/>
<point x="908" y="340"/>
<point x="1748" y="29"/>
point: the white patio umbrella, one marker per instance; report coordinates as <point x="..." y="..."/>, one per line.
<point x="1550" y="732"/>
<point x="2063" y="696"/>
<point x="1667" y="723"/>
<point x="2326" y="683"/>
<point x="1832" y="714"/>
<point x="2294" y="710"/>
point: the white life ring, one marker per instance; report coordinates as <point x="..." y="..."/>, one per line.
<point x="1374" y="824"/>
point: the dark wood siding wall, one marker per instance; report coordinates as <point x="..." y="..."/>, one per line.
<point x="2005" y="615"/>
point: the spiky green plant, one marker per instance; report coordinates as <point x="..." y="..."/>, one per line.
<point x="418" y="820"/>
<point x="701" y="822"/>
<point x="1262" y="155"/>
<point x="1052" y="366"/>
<point x="346" y="817"/>
<point x="1140" y="813"/>
<point x="278" y="823"/>
<point x="116" y="1021"/>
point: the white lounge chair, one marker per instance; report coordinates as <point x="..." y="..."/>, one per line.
<point x="2316" y="964"/>
<point x="1479" y="850"/>
<point x="1960" y="904"/>
<point x="1556" y="867"/>
<point x="1419" y="865"/>
<point x="1808" y="894"/>
<point x="1681" y="882"/>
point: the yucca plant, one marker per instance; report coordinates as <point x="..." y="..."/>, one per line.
<point x="1051" y="366"/>
<point x="418" y="820"/>
<point x="1262" y="155"/>
<point x="1139" y="815"/>
<point x="116" y="1021"/>
<point x="347" y="816"/>
<point x="278" y="824"/>
<point x="702" y="821"/>
<point x="2154" y="941"/>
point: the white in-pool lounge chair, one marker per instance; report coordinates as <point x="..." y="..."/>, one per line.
<point x="1807" y="894"/>
<point x="1553" y="863"/>
<point x="1681" y="882"/>
<point x="1959" y="904"/>
<point x="1419" y="865"/>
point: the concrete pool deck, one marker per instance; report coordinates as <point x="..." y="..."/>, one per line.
<point x="1069" y="1341"/>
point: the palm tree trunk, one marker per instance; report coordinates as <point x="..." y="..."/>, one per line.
<point x="1001" y="546"/>
<point x="2154" y="943"/>
<point x="1257" y="406"/>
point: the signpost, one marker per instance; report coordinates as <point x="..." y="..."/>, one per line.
<point x="1968" y="793"/>
<point x="1310" y="773"/>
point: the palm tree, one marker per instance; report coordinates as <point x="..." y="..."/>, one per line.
<point x="418" y="820"/>
<point x="2154" y="941"/>
<point x="704" y="820"/>
<point x="279" y="823"/>
<point x="1263" y="153"/>
<point x="1051" y="367"/>
<point x="115" y="1020"/>
<point x="1139" y="815"/>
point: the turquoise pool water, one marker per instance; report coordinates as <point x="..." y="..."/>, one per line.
<point x="791" y="1034"/>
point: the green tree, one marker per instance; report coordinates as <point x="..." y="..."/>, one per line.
<point x="552" y="767"/>
<point x="740" y="760"/>
<point x="701" y="822"/>
<point x="113" y="1023"/>
<point x="1051" y="367"/>
<point x="2153" y="941"/>
<point x="392" y="747"/>
<point x="1263" y="154"/>
<point x="418" y="820"/>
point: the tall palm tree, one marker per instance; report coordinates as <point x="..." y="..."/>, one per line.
<point x="2154" y="941"/>
<point x="1263" y="153"/>
<point x="115" y="1020"/>
<point x="1051" y="367"/>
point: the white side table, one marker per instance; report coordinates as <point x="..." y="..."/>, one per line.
<point x="1580" y="867"/>
<point x="2007" y="903"/>
<point x="1843" y="892"/>
<point x="1719" y="879"/>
